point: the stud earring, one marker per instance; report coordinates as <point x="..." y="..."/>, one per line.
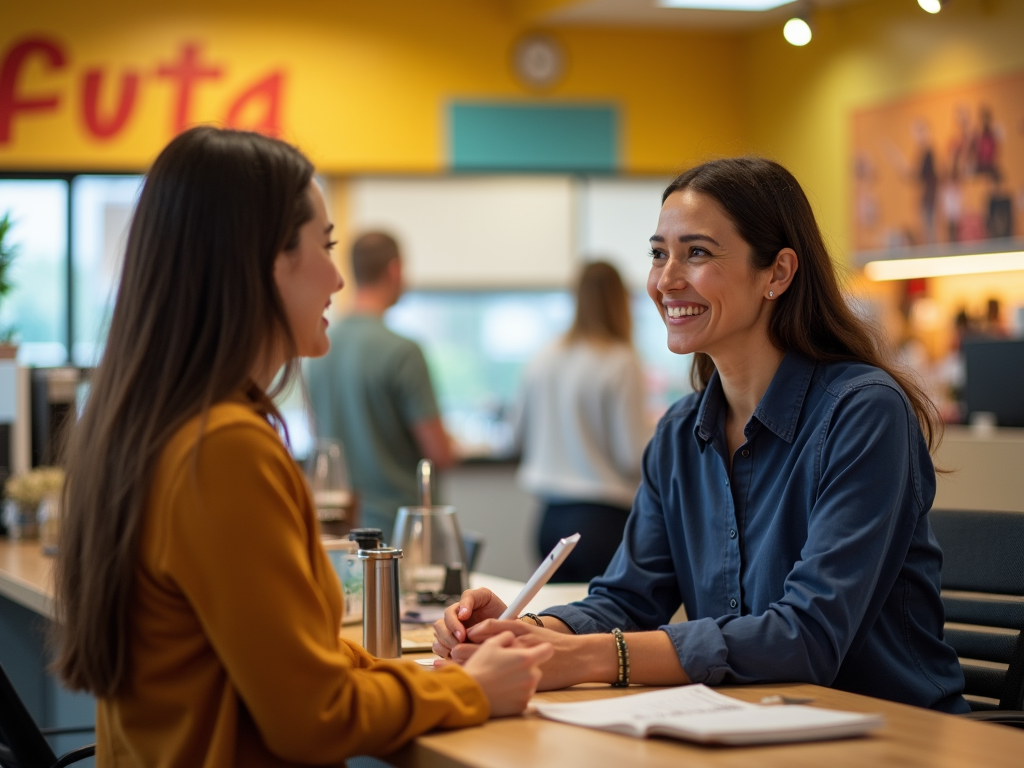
<point x="771" y="294"/>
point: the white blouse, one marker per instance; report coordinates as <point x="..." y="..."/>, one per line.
<point x="581" y="425"/>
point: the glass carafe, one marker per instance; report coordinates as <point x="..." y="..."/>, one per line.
<point x="433" y="570"/>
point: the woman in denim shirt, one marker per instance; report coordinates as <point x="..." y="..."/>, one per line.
<point x="785" y="502"/>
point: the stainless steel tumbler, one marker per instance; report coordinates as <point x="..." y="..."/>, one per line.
<point x="382" y="629"/>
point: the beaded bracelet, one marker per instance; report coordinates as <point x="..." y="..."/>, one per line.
<point x="532" y="617"/>
<point x="623" y="651"/>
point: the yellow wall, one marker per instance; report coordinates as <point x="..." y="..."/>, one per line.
<point x="367" y="83"/>
<point x="799" y="100"/>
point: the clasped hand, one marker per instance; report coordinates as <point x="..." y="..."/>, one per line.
<point x="475" y="618"/>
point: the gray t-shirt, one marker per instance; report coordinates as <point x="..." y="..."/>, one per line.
<point x="368" y="391"/>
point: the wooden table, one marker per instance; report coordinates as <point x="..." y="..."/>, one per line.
<point x="25" y="575"/>
<point x="911" y="737"/>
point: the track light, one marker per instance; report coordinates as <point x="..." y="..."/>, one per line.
<point x="797" y="31"/>
<point x="932" y="6"/>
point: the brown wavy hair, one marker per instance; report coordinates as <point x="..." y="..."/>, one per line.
<point x="602" y="307"/>
<point x="197" y="310"/>
<point x="770" y="211"/>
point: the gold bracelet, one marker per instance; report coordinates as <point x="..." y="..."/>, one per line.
<point x="623" y="651"/>
<point x="532" y="617"/>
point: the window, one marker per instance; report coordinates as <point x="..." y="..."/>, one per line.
<point x="37" y="306"/>
<point x="101" y="210"/>
<point x="477" y="344"/>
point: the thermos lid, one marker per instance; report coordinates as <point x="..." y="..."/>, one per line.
<point x="366" y="538"/>
<point x="384" y="553"/>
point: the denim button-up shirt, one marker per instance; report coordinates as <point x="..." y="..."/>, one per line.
<point x="813" y="561"/>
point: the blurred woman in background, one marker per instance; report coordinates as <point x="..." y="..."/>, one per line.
<point x="194" y="598"/>
<point x="582" y="428"/>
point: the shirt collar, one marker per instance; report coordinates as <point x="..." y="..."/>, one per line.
<point x="779" y="409"/>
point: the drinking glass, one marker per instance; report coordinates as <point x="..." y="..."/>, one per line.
<point x="328" y="479"/>
<point x="433" y="570"/>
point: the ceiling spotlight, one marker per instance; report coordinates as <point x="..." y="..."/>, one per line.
<point x="797" y="31"/>
<point x="932" y="6"/>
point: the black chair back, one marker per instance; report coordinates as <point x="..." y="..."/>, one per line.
<point x="983" y="594"/>
<point x="21" y="742"/>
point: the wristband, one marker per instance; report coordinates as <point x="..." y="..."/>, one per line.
<point x="532" y="617"/>
<point x="623" y="651"/>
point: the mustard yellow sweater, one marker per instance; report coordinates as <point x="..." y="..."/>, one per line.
<point x="235" y="653"/>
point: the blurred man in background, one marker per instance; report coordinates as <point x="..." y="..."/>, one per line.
<point x="372" y="391"/>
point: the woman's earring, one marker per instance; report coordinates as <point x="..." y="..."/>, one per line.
<point x="771" y="294"/>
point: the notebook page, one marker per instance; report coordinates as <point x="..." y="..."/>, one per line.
<point x="636" y="712"/>
<point x="697" y="713"/>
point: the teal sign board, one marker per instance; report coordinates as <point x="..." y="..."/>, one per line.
<point x="533" y="137"/>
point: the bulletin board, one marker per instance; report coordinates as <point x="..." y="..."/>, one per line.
<point x="940" y="167"/>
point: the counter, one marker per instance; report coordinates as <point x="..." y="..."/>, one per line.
<point x="985" y="469"/>
<point x="25" y="576"/>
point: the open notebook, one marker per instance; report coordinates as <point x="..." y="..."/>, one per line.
<point x="697" y="713"/>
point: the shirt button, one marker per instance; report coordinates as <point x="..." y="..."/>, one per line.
<point x="732" y="533"/>
<point x="732" y="603"/>
<point x="744" y="453"/>
<point x="727" y="483"/>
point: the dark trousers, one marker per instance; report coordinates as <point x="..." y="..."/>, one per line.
<point x="600" y="527"/>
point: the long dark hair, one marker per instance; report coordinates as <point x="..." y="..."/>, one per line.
<point x="771" y="212"/>
<point x="197" y="311"/>
<point x="602" y="307"/>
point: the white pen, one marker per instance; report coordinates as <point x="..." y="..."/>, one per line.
<point x="541" y="576"/>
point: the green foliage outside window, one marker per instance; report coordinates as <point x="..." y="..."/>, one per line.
<point x="8" y="251"/>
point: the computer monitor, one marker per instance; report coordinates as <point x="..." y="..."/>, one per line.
<point x="995" y="379"/>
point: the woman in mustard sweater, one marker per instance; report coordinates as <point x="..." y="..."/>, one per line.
<point x="194" y="599"/>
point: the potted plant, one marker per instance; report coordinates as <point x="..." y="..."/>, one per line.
<point x="8" y="251"/>
<point x="27" y="492"/>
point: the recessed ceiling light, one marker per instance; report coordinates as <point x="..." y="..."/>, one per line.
<point x="724" y="5"/>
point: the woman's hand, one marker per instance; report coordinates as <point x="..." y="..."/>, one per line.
<point x="474" y="606"/>
<point x="508" y="670"/>
<point x="574" y="658"/>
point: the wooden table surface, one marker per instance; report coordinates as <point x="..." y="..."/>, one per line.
<point x="911" y="738"/>
<point x="26" y="575"/>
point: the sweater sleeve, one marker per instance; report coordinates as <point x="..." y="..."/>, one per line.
<point x="240" y="549"/>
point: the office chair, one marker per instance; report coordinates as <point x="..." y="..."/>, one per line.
<point x="22" y="742"/>
<point x="983" y="595"/>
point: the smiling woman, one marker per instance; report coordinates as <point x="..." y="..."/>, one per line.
<point x="785" y="502"/>
<point x="201" y="651"/>
<point x="306" y="279"/>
